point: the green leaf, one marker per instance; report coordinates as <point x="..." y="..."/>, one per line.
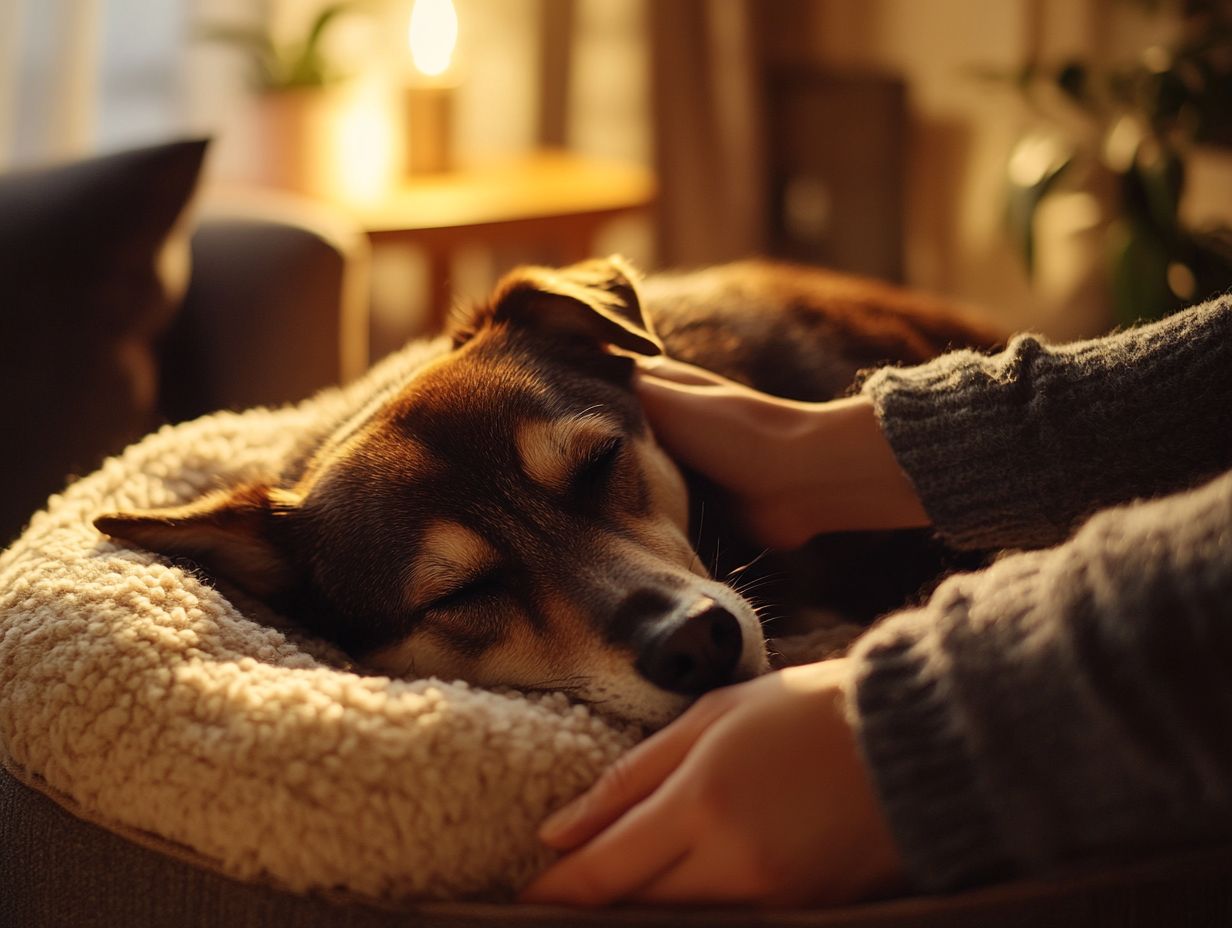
<point x="294" y="64"/>
<point x="263" y="59"/>
<point x="327" y="15"/>
<point x="1151" y="190"/>
<point x="1035" y="166"/>
<point x="1162" y="178"/>
<point x="1139" y="269"/>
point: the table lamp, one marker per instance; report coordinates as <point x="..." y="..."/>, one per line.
<point x="432" y="35"/>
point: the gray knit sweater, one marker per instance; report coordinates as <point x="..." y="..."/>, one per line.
<point x="1074" y="700"/>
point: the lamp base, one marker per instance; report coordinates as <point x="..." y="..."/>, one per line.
<point x="429" y="110"/>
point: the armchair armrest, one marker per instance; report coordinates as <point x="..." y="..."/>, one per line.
<point x="276" y="306"/>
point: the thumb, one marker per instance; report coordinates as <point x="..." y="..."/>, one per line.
<point x="632" y="778"/>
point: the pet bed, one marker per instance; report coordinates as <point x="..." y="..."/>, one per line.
<point x="140" y="698"/>
<point x="151" y="702"/>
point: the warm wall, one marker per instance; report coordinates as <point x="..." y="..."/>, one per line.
<point x="961" y="132"/>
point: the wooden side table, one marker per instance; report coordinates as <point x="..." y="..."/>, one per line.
<point x="555" y="198"/>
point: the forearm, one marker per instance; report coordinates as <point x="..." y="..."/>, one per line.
<point x="1015" y="450"/>
<point x="1062" y="704"/>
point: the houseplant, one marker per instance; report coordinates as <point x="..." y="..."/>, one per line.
<point x="292" y="122"/>
<point x="1127" y="132"/>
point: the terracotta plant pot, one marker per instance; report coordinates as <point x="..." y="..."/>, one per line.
<point x="294" y="135"/>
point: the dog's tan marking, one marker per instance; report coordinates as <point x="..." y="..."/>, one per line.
<point x="551" y="450"/>
<point x="450" y="554"/>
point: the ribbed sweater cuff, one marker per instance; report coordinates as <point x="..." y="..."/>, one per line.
<point x="1018" y="448"/>
<point x="920" y="764"/>
<point x="959" y="437"/>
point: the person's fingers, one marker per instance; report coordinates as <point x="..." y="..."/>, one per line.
<point x="666" y="368"/>
<point x="632" y="778"/>
<point x="646" y="842"/>
<point x="711" y="429"/>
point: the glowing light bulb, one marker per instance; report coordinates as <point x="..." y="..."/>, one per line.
<point x="432" y="35"/>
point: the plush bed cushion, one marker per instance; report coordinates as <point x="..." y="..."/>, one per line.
<point x="209" y="744"/>
<point x="155" y="702"/>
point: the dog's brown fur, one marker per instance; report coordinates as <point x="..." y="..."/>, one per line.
<point x="505" y="515"/>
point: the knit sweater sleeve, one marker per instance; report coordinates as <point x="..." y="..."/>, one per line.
<point x="1063" y="704"/>
<point x="1016" y="449"/>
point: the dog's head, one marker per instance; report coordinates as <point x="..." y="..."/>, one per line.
<point x="504" y="518"/>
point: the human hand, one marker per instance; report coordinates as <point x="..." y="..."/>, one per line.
<point x="795" y="469"/>
<point x="757" y="794"/>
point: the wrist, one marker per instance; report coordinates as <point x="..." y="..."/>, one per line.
<point x="874" y="862"/>
<point x="835" y="471"/>
<point x="867" y="486"/>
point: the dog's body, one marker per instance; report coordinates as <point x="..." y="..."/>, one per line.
<point x="503" y="514"/>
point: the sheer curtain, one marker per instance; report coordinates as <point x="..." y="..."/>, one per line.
<point x="708" y="131"/>
<point x="78" y="76"/>
<point x="10" y="44"/>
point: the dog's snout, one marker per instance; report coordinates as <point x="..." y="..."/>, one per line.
<point x="694" y="652"/>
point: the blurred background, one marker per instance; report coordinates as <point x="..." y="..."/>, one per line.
<point x="1061" y="165"/>
<point x="886" y="136"/>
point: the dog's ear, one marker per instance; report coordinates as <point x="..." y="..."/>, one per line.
<point x="236" y="534"/>
<point x="595" y="299"/>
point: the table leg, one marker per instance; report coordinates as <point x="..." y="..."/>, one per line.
<point x="440" y="289"/>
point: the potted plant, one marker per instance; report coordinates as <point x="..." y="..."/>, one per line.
<point x="1129" y="132"/>
<point x="296" y="99"/>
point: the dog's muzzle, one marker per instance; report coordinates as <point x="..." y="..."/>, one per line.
<point x="690" y="651"/>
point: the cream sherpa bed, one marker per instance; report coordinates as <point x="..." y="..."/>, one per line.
<point x="151" y="701"/>
<point x="140" y="698"/>
<point x="137" y="694"/>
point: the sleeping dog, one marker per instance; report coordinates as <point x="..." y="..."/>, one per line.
<point x="503" y="515"/>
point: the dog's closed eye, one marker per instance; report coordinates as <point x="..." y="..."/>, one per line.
<point x="594" y="471"/>
<point x="554" y="453"/>
<point x="452" y="558"/>
<point x="477" y="591"/>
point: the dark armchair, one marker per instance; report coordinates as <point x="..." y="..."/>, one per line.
<point x="121" y="308"/>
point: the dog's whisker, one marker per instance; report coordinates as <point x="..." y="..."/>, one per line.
<point x="776" y="575"/>
<point x="757" y="583"/>
<point x="714" y="564"/>
<point x="735" y="571"/>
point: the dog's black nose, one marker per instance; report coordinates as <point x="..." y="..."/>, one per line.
<point x="692" y="653"/>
